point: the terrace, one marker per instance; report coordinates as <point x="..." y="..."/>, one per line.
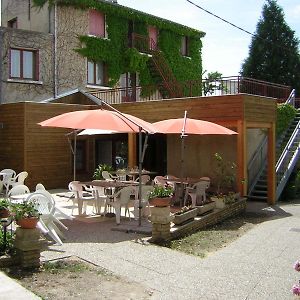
<point x="220" y="87"/>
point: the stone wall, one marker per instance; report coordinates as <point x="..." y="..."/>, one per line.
<point x="24" y="90"/>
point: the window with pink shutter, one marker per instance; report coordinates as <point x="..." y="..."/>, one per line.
<point x="96" y="23"/>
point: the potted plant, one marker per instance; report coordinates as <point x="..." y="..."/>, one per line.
<point x="26" y="214"/>
<point x="4" y="208"/>
<point x="186" y="214"/>
<point x="161" y="195"/>
<point x="98" y="172"/>
<point x="225" y="178"/>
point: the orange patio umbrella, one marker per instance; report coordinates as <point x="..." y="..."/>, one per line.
<point x="185" y="126"/>
<point x="106" y="120"/>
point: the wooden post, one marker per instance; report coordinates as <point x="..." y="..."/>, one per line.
<point x="241" y="158"/>
<point x="132" y="159"/>
<point x="271" y="175"/>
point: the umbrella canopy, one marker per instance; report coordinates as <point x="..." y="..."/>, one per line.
<point x="105" y="120"/>
<point x="99" y="119"/>
<point x="96" y="131"/>
<point x="192" y="126"/>
<point x="185" y="126"/>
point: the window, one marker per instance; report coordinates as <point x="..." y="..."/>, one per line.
<point x="12" y="23"/>
<point x="97" y="24"/>
<point x="96" y="72"/>
<point x="23" y="64"/>
<point x="185" y="46"/>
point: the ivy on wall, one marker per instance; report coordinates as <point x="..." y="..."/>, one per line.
<point x="285" y="114"/>
<point x="120" y="59"/>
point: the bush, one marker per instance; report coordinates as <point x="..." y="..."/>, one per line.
<point x="98" y="172"/>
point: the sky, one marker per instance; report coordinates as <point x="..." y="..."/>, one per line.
<point x="224" y="47"/>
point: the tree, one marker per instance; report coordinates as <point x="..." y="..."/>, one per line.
<point x="273" y="52"/>
<point x="212" y="83"/>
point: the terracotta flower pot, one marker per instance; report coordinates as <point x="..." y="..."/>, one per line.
<point x="4" y="213"/>
<point x="28" y="223"/>
<point x="160" y="202"/>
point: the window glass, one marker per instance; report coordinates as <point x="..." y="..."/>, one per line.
<point x="15" y="63"/>
<point x="28" y="65"/>
<point x="90" y="72"/>
<point x="97" y="23"/>
<point x="99" y="74"/>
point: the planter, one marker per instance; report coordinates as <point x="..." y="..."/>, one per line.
<point x="220" y="202"/>
<point x="160" y="202"/>
<point x="4" y="213"/>
<point x="185" y="217"/>
<point x="28" y="223"/>
<point x="202" y="209"/>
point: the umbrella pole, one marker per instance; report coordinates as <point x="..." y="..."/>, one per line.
<point x="74" y="155"/>
<point x="182" y="136"/>
<point x="140" y="176"/>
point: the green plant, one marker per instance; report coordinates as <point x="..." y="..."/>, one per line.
<point x="4" y="203"/>
<point x="285" y="114"/>
<point x="98" y="171"/>
<point x="6" y="246"/>
<point x="23" y="210"/>
<point x="161" y="192"/>
<point x="225" y="174"/>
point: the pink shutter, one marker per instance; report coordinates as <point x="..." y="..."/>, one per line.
<point x="96" y="23"/>
<point x="152" y="37"/>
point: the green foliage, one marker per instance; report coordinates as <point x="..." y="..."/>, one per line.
<point x="9" y="245"/>
<point x="225" y="173"/>
<point x="98" y="172"/>
<point x="212" y="83"/>
<point x="273" y="53"/>
<point x="161" y="192"/>
<point x="285" y="114"/>
<point x="4" y="203"/>
<point x="119" y="59"/>
<point x="24" y="210"/>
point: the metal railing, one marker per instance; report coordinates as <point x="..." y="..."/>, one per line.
<point x="194" y="88"/>
<point x="287" y="161"/>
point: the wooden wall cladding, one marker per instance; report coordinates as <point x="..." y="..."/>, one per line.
<point x="48" y="155"/>
<point x="12" y="136"/>
<point x="218" y="109"/>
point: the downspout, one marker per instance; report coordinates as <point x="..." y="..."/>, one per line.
<point x="1" y="66"/>
<point x="55" y="54"/>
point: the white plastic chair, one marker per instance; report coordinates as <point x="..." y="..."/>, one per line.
<point x="18" y="190"/>
<point x="121" y="175"/>
<point x="6" y="177"/>
<point x="19" y="179"/>
<point x="45" y="204"/>
<point x="79" y="198"/>
<point x="40" y="186"/>
<point x="146" y="190"/>
<point x="160" y="180"/>
<point x="120" y="199"/>
<point x="107" y="176"/>
<point x="100" y="197"/>
<point x="197" y="193"/>
<point x="144" y="178"/>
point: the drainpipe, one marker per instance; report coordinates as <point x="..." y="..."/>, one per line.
<point x="55" y="54"/>
<point x="1" y="65"/>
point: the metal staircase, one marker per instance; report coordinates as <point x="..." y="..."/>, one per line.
<point x="287" y="154"/>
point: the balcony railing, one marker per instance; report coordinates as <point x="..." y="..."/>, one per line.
<point x="196" y="88"/>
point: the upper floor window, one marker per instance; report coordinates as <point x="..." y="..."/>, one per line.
<point x="185" y="46"/>
<point x="23" y="64"/>
<point x="12" y="23"/>
<point x="97" y="24"/>
<point x="96" y="73"/>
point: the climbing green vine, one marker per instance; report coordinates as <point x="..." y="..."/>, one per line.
<point x="121" y="59"/>
<point x="285" y="114"/>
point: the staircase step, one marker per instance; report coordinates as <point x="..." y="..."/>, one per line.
<point x="257" y="198"/>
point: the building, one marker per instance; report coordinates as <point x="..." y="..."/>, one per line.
<point x="55" y="56"/>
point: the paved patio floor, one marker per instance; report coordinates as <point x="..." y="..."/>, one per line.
<point x="259" y="265"/>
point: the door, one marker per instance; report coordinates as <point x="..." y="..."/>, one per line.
<point x="153" y="34"/>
